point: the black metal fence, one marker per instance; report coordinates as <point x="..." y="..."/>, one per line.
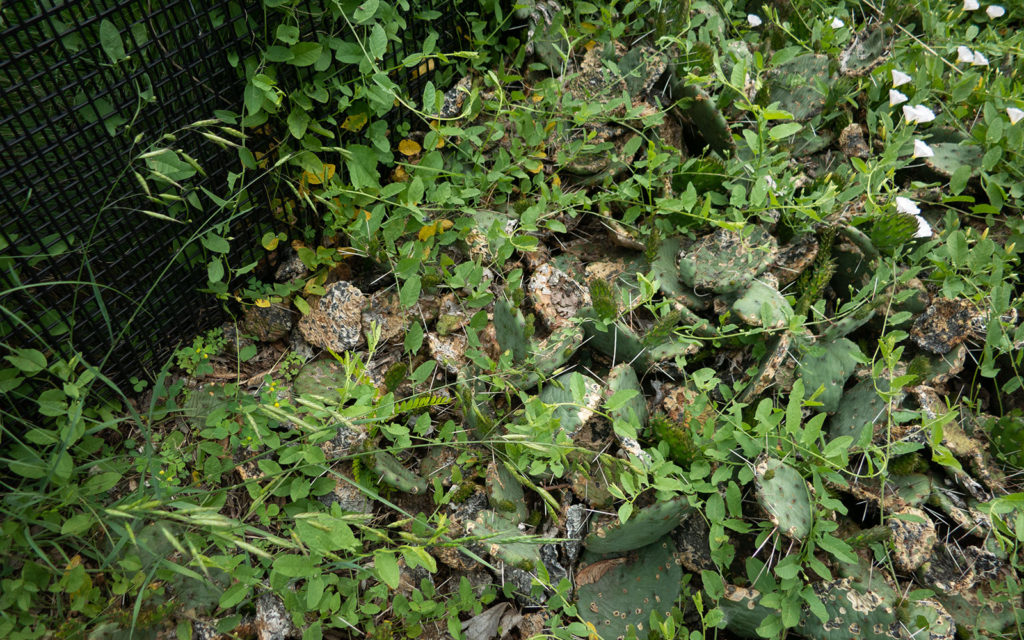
<point x="84" y="85"/>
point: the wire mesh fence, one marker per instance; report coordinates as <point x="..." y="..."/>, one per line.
<point x="84" y="85"/>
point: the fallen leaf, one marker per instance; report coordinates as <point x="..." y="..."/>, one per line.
<point x="354" y="122"/>
<point x="409" y="147"/>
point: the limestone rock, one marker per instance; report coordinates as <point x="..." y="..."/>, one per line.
<point x="335" y="321"/>
<point x="268" y="324"/>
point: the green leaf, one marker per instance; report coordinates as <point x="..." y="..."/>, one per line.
<point x="76" y="524"/>
<point x="386" y="565"/>
<point x="958" y="181"/>
<point x="215" y="270"/>
<point x="234" y="594"/>
<point x="780" y="131"/>
<point x="365" y="12"/>
<point x="361" y="162"/>
<point x="287" y="33"/>
<point x="295" y="566"/>
<point x="110" y="40"/>
<point x="305" y="53"/>
<point x="100" y="483"/>
<point x="216" y="243"/>
<point x="619" y="398"/>
<point x="298" y="120"/>
<point x="247" y="353"/>
<point x="28" y="361"/>
<point x="410" y="292"/>
<point x="625" y="511"/>
<point x="414" y="338"/>
<point x="377" y="43"/>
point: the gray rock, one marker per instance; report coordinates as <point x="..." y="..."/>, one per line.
<point x="335" y="321"/>
<point x="268" y="324"/>
<point x="290" y="268"/>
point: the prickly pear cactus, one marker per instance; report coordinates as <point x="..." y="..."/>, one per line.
<point x="619" y="593"/>
<point x="700" y="109"/>
<point x="394" y="474"/>
<point x="645" y="526"/>
<point x="850" y="614"/>
<point x="622" y="377"/>
<point x="663" y="266"/>
<point x="574" y="409"/>
<point x="800" y="85"/>
<point x="762" y="305"/>
<point x="867" y="51"/>
<point x="828" y="365"/>
<point x="784" y="495"/>
<point x="726" y="261"/>
<point x="859" y="409"/>
<point x="510" y="328"/>
<point x="927" y="620"/>
<point x="505" y="540"/>
<point x="615" y="340"/>
<point x="505" y="494"/>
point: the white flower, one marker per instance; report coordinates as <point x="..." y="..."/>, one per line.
<point x="899" y="78"/>
<point x="839" y="24"/>
<point x="771" y="182"/>
<point x="1014" y="114"/>
<point x="979" y="60"/>
<point x="906" y="205"/>
<point x="896" y="97"/>
<point x="971" y="5"/>
<point x="922" y="150"/>
<point x="918" y="113"/>
<point x="995" y="11"/>
<point x="963" y="54"/>
<point x="753" y="20"/>
<point x="924" y="230"/>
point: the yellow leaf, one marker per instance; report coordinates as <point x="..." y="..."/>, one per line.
<point x="262" y="303"/>
<point x="537" y="97"/>
<point x="324" y="176"/>
<point x="533" y="165"/>
<point x="440" y="143"/>
<point x="270" y="240"/>
<point x="426" y="231"/>
<point x="590" y="45"/>
<point x="409" y="147"/>
<point x="399" y="174"/>
<point x="555" y="180"/>
<point x="354" y="122"/>
<point x="444" y="225"/>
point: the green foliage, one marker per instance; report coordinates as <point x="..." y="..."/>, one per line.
<point x="195" y="360"/>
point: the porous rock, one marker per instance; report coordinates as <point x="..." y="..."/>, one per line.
<point x="335" y="321"/>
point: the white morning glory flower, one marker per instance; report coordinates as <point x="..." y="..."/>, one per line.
<point x="839" y="24"/>
<point x="1014" y="114"/>
<point x="963" y="54"/>
<point x="995" y="11"/>
<point x="922" y="150"/>
<point x="899" y="78"/>
<point x="918" y="113"/>
<point x="896" y="97"/>
<point x="906" y="205"/>
<point x="753" y="20"/>
<point x="971" y="5"/>
<point x="979" y="60"/>
<point x="924" y="230"/>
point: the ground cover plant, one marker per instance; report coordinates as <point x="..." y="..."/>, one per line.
<point x="663" y="321"/>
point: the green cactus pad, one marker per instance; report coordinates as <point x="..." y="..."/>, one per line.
<point x="505" y="494"/>
<point x="859" y="409"/>
<point x="619" y="593"/>
<point x="645" y="526"/>
<point x="850" y="614"/>
<point x="321" y="377"/>
<point x="800" y="85"/>
<point x="617" y="341"/>
<point x="665" y="271"/>
<point x="830" y="365"/>
<point x="393" y="473"/>
<point x="726" y="261"/>
<point x="701" y="111"/>
<point x="762" y="305"/>
<point x="623" y="377"/>
<point x="950" y="156"/>
<point x="572" y="412"/>
<point x="927" y="620"/>
<point x="499" y="529"/>
<point x="784" y="495"/>
<point x="510" y="328"/>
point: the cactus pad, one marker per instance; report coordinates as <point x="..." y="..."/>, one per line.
<point x="762" y="305"/>
<point x="620" y="593"/>
<point x="726" y="261"/>
<point x="784" y="495"/>
<point x="859" y="409"/>
<point x="829" y="365"/>
<point x="645" y="526"/>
